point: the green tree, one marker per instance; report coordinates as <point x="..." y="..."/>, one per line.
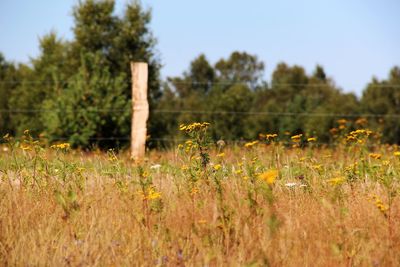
<point x="9" y="80"/>
<point x="62" y="74"/>
<point x="39" y="82"/>
<point x="383" y="98"/>
<point x="81" y="113"/>
<point x="199" y="78"/>
<point x="240" y="67"/>
<point x="230" y="107"/>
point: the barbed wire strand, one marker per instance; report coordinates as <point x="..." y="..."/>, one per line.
<point x="269" y="84"/>
<point x="217" y="112"/>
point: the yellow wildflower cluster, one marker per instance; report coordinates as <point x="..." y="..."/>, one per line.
<point x="269" y="176"/>
<point x="150" y="194"/>
<point x="311" y="139"/>
<point x="317" y="167"/>
<point x="184" y="168"/>
<point x="251" y="144"/>
<point x="194" y="127"/>
<point x="61" y="146"/>
<point x="358" y="135"/>
<point x="375" y="155"/>
<point x="337" y="180"/>
<point x="25" y="147"/>
<point x="342" y="124"/>
<point x="217" y="167"/>
<point x="268" y="137"/>
<point x="189" y="144"/>
<point x="238" y="172"/>
<point x="352" y="168"/>
<point x="296" y="138"/>
<point x="396" y="153"/>
<point x="379" y="204"/>
<point x="112" y="157"/>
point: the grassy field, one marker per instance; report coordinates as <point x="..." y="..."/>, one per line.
<point x="291" y="202"/>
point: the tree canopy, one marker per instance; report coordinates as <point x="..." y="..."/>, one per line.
<point x="80" y="90"/>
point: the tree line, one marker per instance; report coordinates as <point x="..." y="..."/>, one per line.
<point x="79" y="90"/>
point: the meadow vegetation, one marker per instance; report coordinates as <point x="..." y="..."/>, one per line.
<point x="281" y="200"/>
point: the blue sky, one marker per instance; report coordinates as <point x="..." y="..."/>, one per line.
<point x="352" y="39"/>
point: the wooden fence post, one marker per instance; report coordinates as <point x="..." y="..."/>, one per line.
<point x="140" y="109"/>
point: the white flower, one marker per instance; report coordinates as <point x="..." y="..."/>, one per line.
<point x="290" y="184"/>
<point x="155" y="167"/>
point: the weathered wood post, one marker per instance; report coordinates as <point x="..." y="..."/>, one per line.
<point x="140" y="109"/>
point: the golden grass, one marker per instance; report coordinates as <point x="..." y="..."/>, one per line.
<point x="113" y="225"/>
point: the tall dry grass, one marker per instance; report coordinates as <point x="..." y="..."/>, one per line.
<point x="110" y="221"/>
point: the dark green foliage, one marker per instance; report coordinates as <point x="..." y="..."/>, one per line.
<point x="383" y="97"/>
<point x="8" y="82"/>
<point x="240" y="105"/>
<point x="92" y="106"/>
<point x="45" y="78"/>
<point x="80" y="90"/>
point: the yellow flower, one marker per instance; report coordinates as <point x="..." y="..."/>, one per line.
<point x="238" y="171"/>
<point x="311" y="139"/>
<point x="337" y="180"/>
<point x="269" y="176"/>
<point x="365" y="132"/>
<point x="317" y="167"/>
<point x="184" y="168"/>
<point x="151" y="194"/>
<point x="375" y="155"/>
<point x="296" y="138"/>
<point x="25" y="147"/>
<point x="250" y="144"/>
<point x="61" y="146"/>
<point x="352" y="168"/>
<point x="379" y="204"/>
<point x="397" y="153"/>
<point x="182" y="127"/>
<point x="270" y="136"/>
<point x="217" y="167"/>
<point x="351" y="138"/>
<point x="196" y="126"/>
<point x="221" y="155"/>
